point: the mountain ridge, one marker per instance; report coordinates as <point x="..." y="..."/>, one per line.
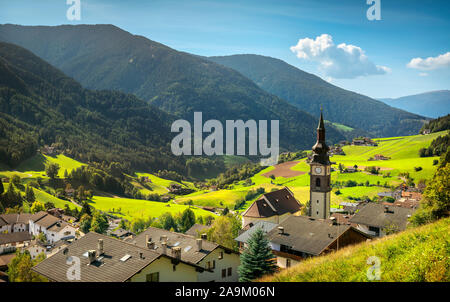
<point x="107" y="57"/>
<point x="309" y="92"/>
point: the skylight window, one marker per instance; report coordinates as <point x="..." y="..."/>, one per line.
<point x="187" y="249"/>
<point x="177" y="243"/>
<point x="125" y="258"/>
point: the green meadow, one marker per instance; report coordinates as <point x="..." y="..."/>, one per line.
<point x="403" y="153"/>
<point x="136" y="208"/>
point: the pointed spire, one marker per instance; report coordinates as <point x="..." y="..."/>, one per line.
<point x="321" y="124"/>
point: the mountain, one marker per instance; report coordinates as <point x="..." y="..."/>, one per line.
<point x="106" y="57"/>
<point x="432" y="104"/>
<point x="309" y="92"/>
<point x="41" y="105"/>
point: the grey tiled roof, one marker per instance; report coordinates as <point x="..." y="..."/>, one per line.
<point x="264" y="225"/>
<point x="107" y="269"/>
<point x="187" y="243"/>
<point x="307" y="235"/>
<point x="373" y="214"/>
<point x="15" y="237"/>
<point x="197" y="227"/>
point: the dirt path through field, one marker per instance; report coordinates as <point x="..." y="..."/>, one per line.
<point x="284" y="170"/>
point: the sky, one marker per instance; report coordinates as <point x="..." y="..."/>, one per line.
<point x="406" y="52"/>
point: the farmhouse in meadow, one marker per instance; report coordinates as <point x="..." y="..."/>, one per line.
<point x="273" y="207"/>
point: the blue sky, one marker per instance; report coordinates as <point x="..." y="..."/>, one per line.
<point x="338" y="42"/>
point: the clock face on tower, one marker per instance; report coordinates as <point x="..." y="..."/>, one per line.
<point x="318" y="170"/>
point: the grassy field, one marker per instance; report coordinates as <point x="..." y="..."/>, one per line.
<point x="416" y="255"/>
<point x="404" y="157"/>
<point x="136" y="208"/>
<point x="402" y="150"/>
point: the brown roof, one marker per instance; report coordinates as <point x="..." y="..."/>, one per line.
<point x="15" y="237"/>
<point x="187" y="243"/>
<point x="15" y="218"/>
<point x="49" y="221"/>
<point x="273" y="203"/>
<point x="343" y="219"/>
<point x="6" y="259"/>
<point x="109" y="268"/>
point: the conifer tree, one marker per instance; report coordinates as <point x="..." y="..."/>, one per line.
<point x="257" y="259"/>
<point x="29" y="194"/>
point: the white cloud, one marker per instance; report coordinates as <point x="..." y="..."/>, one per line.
<point x="423" y="74"/>
<point x="430" y="63"/>
<point x="343" y="61"/>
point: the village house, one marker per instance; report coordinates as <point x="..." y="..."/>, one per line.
<point x="121" y="233"/>
<point x="35" y="248"/>
<point x="219" y="263"/>
<point x="54" y="228"/>
<point x="300" y="237"/>
<point x="364" y="141"/>
<point x="380" y="157"/>
<point x="273" y="207"/>
<point x="243" y="238"/>
<point x="197" y="229"/>
<point x="9" y="242"/>
<point x="378" y="219"/>
<point x="14" y="222"/>
<point x="107" y="259"/>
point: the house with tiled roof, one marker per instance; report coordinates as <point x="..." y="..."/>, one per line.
<point x="17" y="222"/>
<point x="54" y="228"/>
<point x="378" y="219"/>
<point x="9" y="242"/>
<point x="197" y="229"/>
<point x="243" y="238"/>
<point x="220" y="263"/>
<point x="274" y="207"/>
<point x="99" y="258"/>
<point x="301" y="237"/>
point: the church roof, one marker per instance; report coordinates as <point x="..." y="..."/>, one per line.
<point x="273" y="203"/>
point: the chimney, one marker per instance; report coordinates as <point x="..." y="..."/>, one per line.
<point x="141" y="255"/>
<point x="199" y="244"/>
<point x="92" y="256"/>
<point x="163" y="238"/>
<point x="204" y="236"/>
<point x="100" y="247"/>
<point x="148" y="242"/>
<point x="280" y="230"/>
<point x="176" y="252"/>
<point x="386" y="209"/>
<point x="164" y="247"/>
<point x="333" y="220"/>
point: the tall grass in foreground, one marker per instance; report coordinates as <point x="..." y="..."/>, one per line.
<point x="416" y="255"/>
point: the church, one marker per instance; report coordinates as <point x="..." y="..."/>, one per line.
<point x="320" y="176"/>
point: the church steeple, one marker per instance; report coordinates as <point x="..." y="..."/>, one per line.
<point x="320" y="149"/>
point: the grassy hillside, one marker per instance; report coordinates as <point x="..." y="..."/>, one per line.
<point x="404" y="153"/>
<point x="135" y="208"/>
<point x="416" y="255"/>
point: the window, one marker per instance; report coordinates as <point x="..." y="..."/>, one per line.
<point x="174" y="268"/>
<point x="224" y="273"/>
<point x="229" y="271"/>
<point x="220" y="255"/>
<point x="288" y="262"/>
<point x="211" y="265"/>
<point x="317" y="182"/>
<point x="154" y="277"/>
<point x="317" y="212"/>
